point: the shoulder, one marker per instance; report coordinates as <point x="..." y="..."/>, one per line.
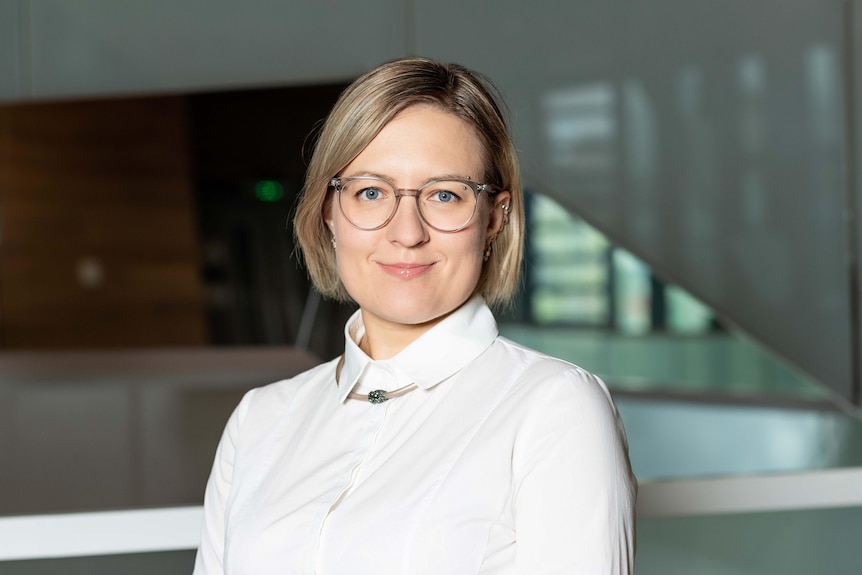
<point x="263" y="402"/>
<point x="556" y="398"/>
<point x="566" y="414"/>
<point x="539" y="374"/>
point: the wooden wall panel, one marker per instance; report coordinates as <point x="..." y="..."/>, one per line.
<point x="98" y="238"/>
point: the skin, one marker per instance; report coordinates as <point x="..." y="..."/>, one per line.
<point x="407" y="277"/>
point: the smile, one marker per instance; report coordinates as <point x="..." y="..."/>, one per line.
<point x="406" y="271"/>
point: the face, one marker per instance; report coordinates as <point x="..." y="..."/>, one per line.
<point x="407" y="276"/>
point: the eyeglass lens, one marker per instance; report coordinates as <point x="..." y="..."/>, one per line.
<point x="369" y="203"/>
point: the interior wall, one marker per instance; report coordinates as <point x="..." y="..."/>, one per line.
<point x="707" y="138"/>
<point x="105" y="430"/>
<point x="53" y="49"/>
<point x="98" y="244"/>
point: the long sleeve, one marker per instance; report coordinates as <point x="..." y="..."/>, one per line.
<point x="210" y="555"/>
<point x="575" y="493"/>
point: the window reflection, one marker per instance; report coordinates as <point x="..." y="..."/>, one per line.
<point x="576" y="277"/>
<point x="580" y="126"/>
<point x="598" y="306"/>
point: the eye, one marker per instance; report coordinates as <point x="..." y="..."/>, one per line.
<point x="369" y="194"/>
<point x="446" y="194"/>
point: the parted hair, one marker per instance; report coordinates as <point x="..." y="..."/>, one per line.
<point x="362" y="110"/>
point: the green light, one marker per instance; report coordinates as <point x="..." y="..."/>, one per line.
<point x="268" y="191"/>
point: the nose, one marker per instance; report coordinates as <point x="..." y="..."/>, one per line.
<point x="407" y="227"/>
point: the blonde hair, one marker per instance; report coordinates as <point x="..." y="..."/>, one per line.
<point x="362" y="110"/>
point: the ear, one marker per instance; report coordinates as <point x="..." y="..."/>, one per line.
<point x="327" y="214"/>
<point x="499" y="217"/>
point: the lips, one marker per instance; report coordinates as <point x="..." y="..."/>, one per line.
<point x="406" y="271"/>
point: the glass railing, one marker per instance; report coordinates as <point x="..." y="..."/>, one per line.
<point x="708" y="405"/>
<point x="714" y="364"/>
<point x="801" y="542"/>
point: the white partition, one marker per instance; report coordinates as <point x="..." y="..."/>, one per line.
<point x="100" y="533"/>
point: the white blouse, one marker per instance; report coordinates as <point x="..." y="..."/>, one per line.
<point x="502" y="461"/>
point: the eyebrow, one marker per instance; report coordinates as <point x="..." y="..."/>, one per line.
<point x="449" y="176"/>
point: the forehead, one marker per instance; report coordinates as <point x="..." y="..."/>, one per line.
<point x="422" y="141"/>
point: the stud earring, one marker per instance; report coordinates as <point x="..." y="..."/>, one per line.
<point x="333" y="243"/>
<point x="505" y="208"/>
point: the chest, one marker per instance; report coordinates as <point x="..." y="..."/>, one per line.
<point x="421" y="484"/>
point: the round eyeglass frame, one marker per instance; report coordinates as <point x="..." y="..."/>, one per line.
<point x="337" y="184"/>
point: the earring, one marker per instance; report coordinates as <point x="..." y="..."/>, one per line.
<point x="505" y="208"/>
<point x="333" y="243"/>
<point x="487" y="253"/>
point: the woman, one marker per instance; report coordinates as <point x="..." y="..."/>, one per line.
<point x="432" y="445"/>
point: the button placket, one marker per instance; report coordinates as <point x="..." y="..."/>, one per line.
<point x="366" y="442"/>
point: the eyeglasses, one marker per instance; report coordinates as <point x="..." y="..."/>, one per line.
<point x="370" y="203"/>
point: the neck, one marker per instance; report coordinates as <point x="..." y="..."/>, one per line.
<point x="384" y="339"/>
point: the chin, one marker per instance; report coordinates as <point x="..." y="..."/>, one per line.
<point x="411" y="316"/>
<point x="415" y="313"/>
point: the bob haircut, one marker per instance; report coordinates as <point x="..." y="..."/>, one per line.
<point x="362" y="110"/>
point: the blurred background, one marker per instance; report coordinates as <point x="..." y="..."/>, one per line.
<point x="692" y="173"/>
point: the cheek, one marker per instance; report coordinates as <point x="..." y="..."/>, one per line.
<point x="471" y="252"/>
<point x="479" y="246"/>
<point x="469" y="244"/>
<point x="349" y="253"/>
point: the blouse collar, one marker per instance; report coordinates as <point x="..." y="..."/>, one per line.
<point x="436" y="355"/>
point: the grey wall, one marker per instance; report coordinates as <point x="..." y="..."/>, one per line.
<point x="60" y="49"/>
<point x="854" y="139"/>
<point x="10" y="58"/>
<point x="708" y="138"/>
<point x="107" y="430"/>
